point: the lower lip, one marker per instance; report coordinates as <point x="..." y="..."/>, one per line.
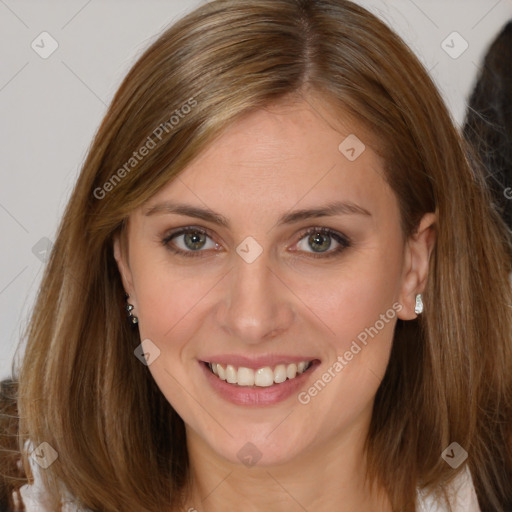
<point x="247" y="395"/>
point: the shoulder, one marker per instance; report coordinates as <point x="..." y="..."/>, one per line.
<point x="461" y="494"/>
<point x="35" y="495"/>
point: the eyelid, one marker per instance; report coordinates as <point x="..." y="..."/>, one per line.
<point x="324" y="230"/>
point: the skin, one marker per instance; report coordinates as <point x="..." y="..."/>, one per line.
<point x="287" y="301"/>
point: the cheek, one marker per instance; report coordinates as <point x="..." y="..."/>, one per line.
<point x="166" y="300"/>
<point x="159" y="297"/>
<point x="360" y="311"/>
<point x="351" y="301"/>
<point x="166" y="297"/>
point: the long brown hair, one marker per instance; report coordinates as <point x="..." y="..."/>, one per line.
<point x="120" y="444"/>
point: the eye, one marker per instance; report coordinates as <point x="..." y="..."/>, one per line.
<point x="189" y="242"/>
<point x="194" y="241"/>
<point x="321" y="240"/>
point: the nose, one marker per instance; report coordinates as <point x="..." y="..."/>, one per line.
<point x="257" y="303"/>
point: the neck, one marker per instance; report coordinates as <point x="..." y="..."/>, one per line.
<point x="328" y="476"/>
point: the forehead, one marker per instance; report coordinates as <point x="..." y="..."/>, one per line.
<point x="286" y="155"/>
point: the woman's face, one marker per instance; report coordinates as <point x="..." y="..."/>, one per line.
<point x="279" y="247"/>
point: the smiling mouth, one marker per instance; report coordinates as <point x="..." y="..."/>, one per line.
<point x="261" y="377"/>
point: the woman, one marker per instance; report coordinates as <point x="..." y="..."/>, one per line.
<point x="316" y="285"/>
<point x="10" y="463"/>
<point x="488" y="123"/>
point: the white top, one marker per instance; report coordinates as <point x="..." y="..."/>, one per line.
<point x="462" y="496"/>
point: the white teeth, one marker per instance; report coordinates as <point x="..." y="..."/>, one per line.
<point x="262" y="377"/>
<point x="245" y="377"/>
<point x="279" y="373"/>
<point x="291" y="371"/>
<point x="231" y="376"/>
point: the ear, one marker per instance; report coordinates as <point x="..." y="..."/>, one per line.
<point x="121" y="256"/>
<point x="418" y="250"/>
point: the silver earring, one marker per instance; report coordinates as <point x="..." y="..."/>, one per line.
<point x="129" y="307"/>
<point x="418" y="309"/>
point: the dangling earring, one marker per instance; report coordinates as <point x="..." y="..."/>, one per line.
<point x="129" y="307"/>
<point x="418" y="309"/>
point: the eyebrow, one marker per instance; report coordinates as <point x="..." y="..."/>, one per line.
<point x="330" y="209"/>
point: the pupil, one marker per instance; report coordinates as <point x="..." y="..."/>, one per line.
<point x="197" y="240"/>
<point x="320" y="240"/>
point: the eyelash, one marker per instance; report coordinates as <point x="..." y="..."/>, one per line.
<point x="344" y="241"/>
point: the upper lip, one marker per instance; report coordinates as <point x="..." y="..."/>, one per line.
<point x="256" y="362"/>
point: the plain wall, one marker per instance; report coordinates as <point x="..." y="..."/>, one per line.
<point x="50" y="108"/>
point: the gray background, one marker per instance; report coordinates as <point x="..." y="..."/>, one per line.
<point x="50" y="108"/>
